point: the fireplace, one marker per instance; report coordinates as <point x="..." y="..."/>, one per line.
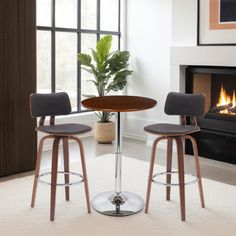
<point x="217" y="138"/>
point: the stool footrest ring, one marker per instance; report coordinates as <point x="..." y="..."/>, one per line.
<point x="172" y="184"/>
<point x="61" y="184"/>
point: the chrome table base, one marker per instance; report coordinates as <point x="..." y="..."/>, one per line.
<point x="131" y="204"/>
<point x="118" y="203"/>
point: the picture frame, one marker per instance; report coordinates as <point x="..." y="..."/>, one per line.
<point x="216" y="23"/>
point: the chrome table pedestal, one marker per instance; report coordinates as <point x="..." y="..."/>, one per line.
<point x="128" y="203"/>
<point x="118" y="203"/>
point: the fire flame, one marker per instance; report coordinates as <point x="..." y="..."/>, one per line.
<point x="225" y="99"/>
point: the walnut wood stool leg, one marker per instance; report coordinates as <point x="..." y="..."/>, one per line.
<point x="154" y="145"/>
<point x="66" y="167"/>
<point x="84" y="172"/>
<point x="54" y="177"/>
<point x="169" y="166"/>
<point x="198" y="172"/>
<point x="37" y="169"/>
<point x="85" y="176"/>
<point x="181" y="176"/>
<point x="150" y="175"/>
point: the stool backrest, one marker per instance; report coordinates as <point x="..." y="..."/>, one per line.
<point x="185" y="104"/>
<point x="51" y="104"/>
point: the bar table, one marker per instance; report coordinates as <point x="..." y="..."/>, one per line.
<point x="118" y="202"/>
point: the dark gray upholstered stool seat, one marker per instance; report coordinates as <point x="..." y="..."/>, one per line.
<point x="171" y="129"/>
<point x="64" y="129"/>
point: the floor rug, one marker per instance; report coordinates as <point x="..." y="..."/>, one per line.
<point x="18" y="219"/>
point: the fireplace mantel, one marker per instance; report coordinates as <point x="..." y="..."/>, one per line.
<point x="180" y="57"/>
<point x="203" y="55"/>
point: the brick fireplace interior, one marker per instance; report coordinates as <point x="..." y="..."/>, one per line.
<point x="217" y="138"/>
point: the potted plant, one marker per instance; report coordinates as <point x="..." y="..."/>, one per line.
<point x="110" y="71"/>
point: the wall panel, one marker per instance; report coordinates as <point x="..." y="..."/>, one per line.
<point x="17" y="81"/>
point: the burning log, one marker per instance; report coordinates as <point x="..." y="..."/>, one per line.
<point x="232" y="110"/>
<point x="221" y="108"/>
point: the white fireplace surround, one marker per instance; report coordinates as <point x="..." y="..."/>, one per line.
<point x="197" y="56"/>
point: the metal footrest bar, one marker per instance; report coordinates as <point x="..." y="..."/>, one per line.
<point x="172" y="184"/>
<point x="61" y="184"/>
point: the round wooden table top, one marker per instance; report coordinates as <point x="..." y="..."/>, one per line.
<point x="119" y="103"/>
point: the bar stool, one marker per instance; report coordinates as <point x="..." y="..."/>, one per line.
<point x="187" y="106"/>
<point x="52" y="105"/>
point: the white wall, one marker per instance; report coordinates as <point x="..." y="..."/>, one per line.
<point x="184" y="23"/>
<point x="148" y="40"/>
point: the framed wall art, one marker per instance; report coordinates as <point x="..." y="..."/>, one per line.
<point x="216" y="22"/>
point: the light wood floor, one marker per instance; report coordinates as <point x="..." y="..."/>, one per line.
<point x="215" y="170"/>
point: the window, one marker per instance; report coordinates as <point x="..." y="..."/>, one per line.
<point x="65" y="28"/>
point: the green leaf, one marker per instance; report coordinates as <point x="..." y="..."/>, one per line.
<point x="105" y="116"/>
<point x="84" y="59"/>
<point x="95" y="83"/>
<point x="103" y="47"/>
<point x="95" y="72"/>
<point x="118" y="61"/>
<point x="98" y="114"/>
<point x="116" y="85"/>
<point x="95" y="56"/>
<point x="119" y="81"/>
<point x="123" y="73"/>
